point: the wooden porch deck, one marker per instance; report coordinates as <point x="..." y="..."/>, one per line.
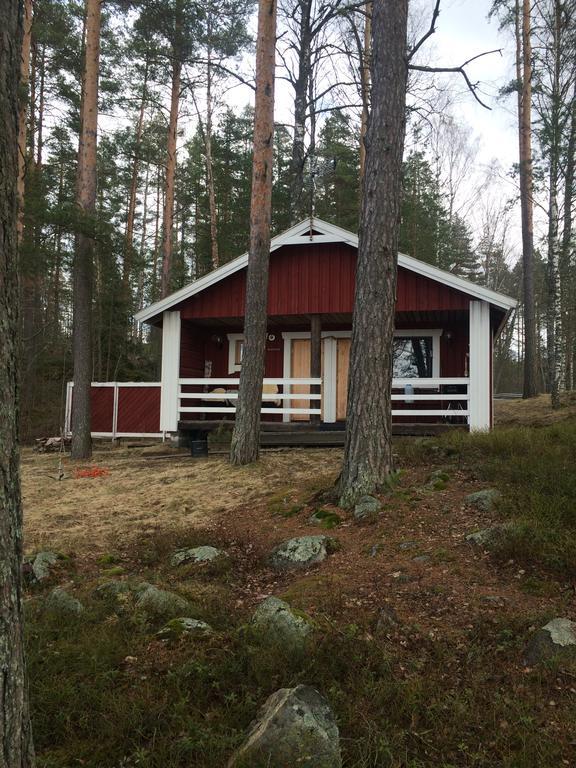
<point x="299" y="434"/>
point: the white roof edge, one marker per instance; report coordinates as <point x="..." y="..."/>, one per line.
<point x="297" y="235"/>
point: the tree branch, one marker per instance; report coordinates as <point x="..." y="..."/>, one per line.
<point x="472" y="87"/>
<point x="428" y="34"/>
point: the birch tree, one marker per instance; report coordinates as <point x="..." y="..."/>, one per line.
<point x="245" y="444"/>
<point x="16" y="749"/>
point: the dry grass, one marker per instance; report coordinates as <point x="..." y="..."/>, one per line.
<point x="143" y="494"/>
<point x="536" y="412"/>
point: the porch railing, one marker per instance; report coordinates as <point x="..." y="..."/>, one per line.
<point x="224" y="401"/>
<point x="452" y="393"/>
<point x="447" y="398"/>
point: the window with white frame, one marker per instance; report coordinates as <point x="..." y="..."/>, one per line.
<point x="416" y="354"/>
<point x="235" y="351"/>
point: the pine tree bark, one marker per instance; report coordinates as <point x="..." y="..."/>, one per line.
<point x="209" y="159"/>
<point x="524" y="78"/>
<point x="84" y="244"/>
<point x="170" y="178"/>
<point x="367" y="460"/>
<point x="245" y="444"/>
<point x="568" y="279"/>
<point x="16" y="750"/>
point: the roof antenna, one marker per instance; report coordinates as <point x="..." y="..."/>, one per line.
<point x="313" y="174"/>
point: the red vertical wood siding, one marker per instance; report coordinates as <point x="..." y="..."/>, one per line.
<point x="319" y="278"/>
<point x="139" y="409"/>
<point x="102" y="402"/>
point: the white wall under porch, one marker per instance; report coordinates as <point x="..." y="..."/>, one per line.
<point x="170" y="371"/>
<point x="480" y="363"/>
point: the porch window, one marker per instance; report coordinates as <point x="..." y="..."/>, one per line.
<point x="416" y="354"/>
<point x="235" y="352"/>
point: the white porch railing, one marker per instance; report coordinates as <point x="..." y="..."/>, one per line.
<point x="443" y="402"/>
<point x="225" y="401"/>
<point x="458" y="403"/>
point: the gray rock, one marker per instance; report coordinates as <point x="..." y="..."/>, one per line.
<point x="408" y="545"/>
<point x="39" y="566"/>
<point x="421" y="559"/>
<point x="156" y="602"/>
<point x="557" y="639"/>
<point x="484" y="537"/>
<point x="59" y="601"/>
<point x="484" y="500"/>
<point x="184" y="626"/>
<point x="204" y="554"/>
<point x="367" y="508"/>
<point x="301" y="552"/>
<point x="279" y="624"/>
<point x="295" y="727"/>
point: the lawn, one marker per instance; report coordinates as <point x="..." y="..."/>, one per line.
<point x="419" y="635"/>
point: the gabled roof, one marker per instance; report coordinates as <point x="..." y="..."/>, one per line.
<point x="323" y="232"/>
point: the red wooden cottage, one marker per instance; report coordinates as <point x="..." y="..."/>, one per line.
<point x="445" y="329"/>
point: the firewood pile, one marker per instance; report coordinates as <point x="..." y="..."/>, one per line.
<point x="52" y="444"/>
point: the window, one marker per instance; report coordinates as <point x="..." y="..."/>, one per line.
<point x="235" y="351"/>
<point x="416" y="354"/>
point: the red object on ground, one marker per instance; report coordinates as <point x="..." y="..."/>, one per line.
<point x="91" y="472"/>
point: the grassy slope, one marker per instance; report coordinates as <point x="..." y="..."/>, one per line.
<point x="444" y="687"/>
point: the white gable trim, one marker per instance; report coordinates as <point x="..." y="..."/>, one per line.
<point x="328" y="233"/>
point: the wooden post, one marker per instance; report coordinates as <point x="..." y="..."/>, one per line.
<point x="315" y="360"/>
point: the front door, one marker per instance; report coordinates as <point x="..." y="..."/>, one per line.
<point x="338" y="371"/>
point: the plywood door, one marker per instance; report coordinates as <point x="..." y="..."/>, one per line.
<point x="342" y="363"/>
<point x="300" y="369"/>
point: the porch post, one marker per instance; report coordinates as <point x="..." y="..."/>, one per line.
<point x="480" y="390"/>
<point x="315" y="360"/>
<point x="170" y="371"/>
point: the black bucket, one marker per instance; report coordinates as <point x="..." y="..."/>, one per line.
<point x="199" y="447"/>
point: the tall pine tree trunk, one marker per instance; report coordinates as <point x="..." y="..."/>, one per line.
<point x="246" y="436"/>
<point x="170" y="178"/>
<point x="16" y="749"/>
<point x="23" y="111"/>
<point x="368" y="447"/>
<point x="524" y="78"/>
<point x="568" y="279"/>
<point x="84" y="245"/>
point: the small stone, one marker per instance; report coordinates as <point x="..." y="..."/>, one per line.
<point x="408" y="545"/>
<point x="557" y="639"/>
<point x="301" y="552"/>
<point x="205" y="554"/>
<point x="184" y="625"/>
<point x="485" y="500"/>
<point x="281" y="625"/>
<point x="367" y="508"/>
<point x="484" y="537"/>
<point x="59" y="601"/>
<point x="494" y="600"/>
<point x="156" y="602"/>
<point x="421" y="559"/>
<point x="295" y="727"/>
